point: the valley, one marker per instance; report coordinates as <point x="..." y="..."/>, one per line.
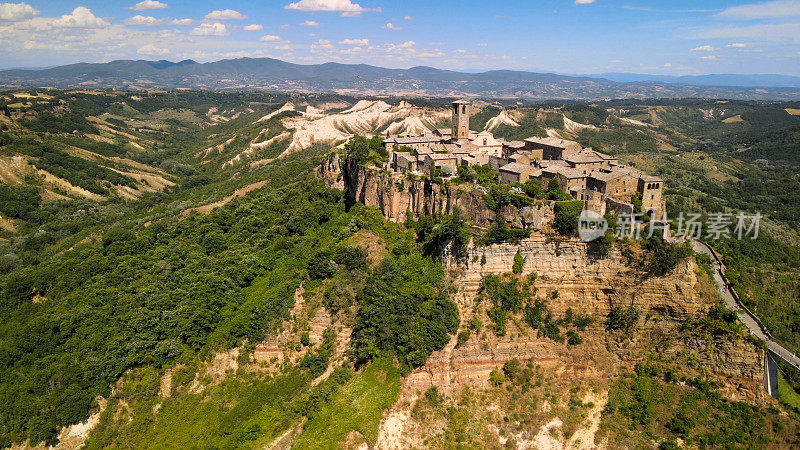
<point x="187" y="266"/>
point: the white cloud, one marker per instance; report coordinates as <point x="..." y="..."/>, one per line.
<point x="346" y="7"/>
<point x="482" y="44"/>
<point x="148" y="4"/>
<point x="182" y="22"/>
<point x="309" y="23"/>
<point x="253" y="27"/>
<point x="407" y="18"/>
<point x="225" y="14"/>
<point x="667" y="65"/>
<point x="152" y="50"/>
<point x="320" y="45"/>
<point x="355" y="42"/>
<point x="737" y="45"/>
<point x="270" y="38"/>
<point x="775" y="32"/>
<point x="17" y="11"/>
<point x="709" y="57"/>
<point x="390" y="26"/>
<point x="766" y="10"/>
<point x="703" y="48"/>
<point x="145" y="21"/>
<point x="211" y="29"/>
<point x="81" y="17"/>
<point x="583" y="2"/>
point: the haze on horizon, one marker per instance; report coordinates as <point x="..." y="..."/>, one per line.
<point x="564" y="36"/>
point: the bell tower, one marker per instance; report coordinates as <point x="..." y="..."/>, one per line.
<point x="461" y="113"/>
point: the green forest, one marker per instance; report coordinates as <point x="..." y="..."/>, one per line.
<point x="98" y="298"/>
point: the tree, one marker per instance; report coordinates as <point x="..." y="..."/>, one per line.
<point x="567" y="213"/>
<point x="403" y="311"/>
<point x="663" y="257"/>
<point x="438" y="232"/>
<point x="623" y="319"/>
<point x="519" y="263"/>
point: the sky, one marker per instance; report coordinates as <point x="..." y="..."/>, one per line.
<point x="675" y="37"/>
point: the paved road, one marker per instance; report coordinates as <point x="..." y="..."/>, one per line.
<point x="748" y="318"/>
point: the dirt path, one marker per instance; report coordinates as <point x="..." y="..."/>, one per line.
<point x="242" y="191"/>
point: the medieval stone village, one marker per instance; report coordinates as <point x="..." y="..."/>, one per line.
<point x="598" y="179"/>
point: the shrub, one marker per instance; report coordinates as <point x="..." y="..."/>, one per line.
<point x="519" y="263"/>
<point x="436" y="233"/>
<point x="663" y="257"/>
<point x="498" y="317"/>
<point x="507" y="295"/>
<point x="496" y="377"/>
<point x="463" y="337"/>
<point x="550" y="328"/>
<point x="476" y="324"/>
<point x="534" y="314"/>
<point x="499" y="232"/>
<point x="573" y="338"/>
<point x="511" y="368"/>
<point x="18" y="202"/>
<point x="680" y="424"/>
<point x="567" y="213"/>
<point x="432" y="396"/>
<point x="623" y="319"/>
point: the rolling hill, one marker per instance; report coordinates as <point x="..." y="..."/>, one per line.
<point x="277" y="75"/>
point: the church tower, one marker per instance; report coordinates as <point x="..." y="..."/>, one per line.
<point x="461" y="112"/>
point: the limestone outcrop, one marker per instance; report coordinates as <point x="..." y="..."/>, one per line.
<point x="397" y="195"/>
<point x="570" y="274"/>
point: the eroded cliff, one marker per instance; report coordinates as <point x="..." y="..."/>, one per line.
<point x="397" y="195"/>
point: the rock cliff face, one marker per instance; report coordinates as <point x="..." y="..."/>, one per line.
<point x="570" y="275"/>
<point x="397" y="195"/>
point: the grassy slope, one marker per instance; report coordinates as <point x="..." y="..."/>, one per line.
<point x="358" y="406"/>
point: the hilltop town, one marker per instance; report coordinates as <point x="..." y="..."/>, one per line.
<point x="596" y="178"/>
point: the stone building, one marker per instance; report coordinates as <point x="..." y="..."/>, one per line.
<point x="596" y="178"/>
<point x="462" y="109"/>
<point x="551" y="148"/>
<point x="516" y="173"/>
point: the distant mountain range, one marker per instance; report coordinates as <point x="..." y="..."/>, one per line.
<point x="363" y="79"/>
<point x="724" y="79"/>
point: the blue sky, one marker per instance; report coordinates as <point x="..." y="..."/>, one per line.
<point x="661" y="37"/>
